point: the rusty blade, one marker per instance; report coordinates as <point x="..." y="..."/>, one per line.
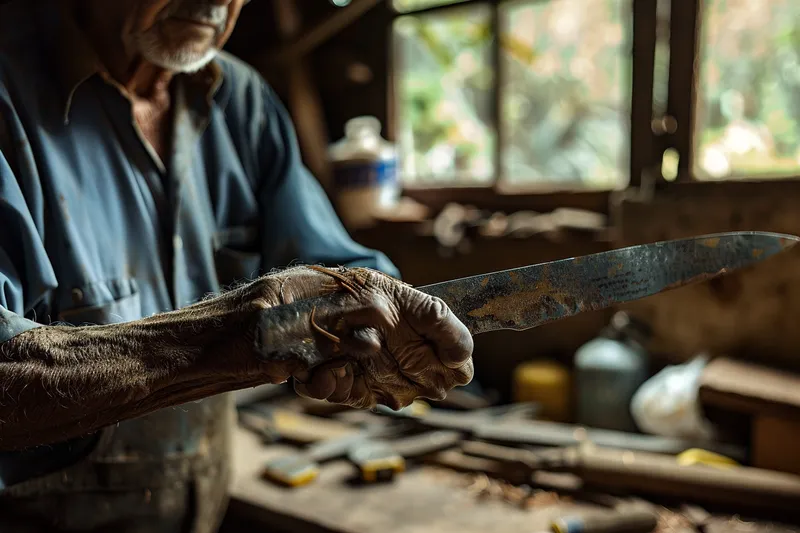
<point x="527" y="297"/>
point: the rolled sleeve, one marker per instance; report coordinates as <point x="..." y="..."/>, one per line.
<point x="11" y="325"/>
<point x="298" y="221"/>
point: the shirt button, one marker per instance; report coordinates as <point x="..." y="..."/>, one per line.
<point x="77" y="296"/>
<point x="177" y="242"/>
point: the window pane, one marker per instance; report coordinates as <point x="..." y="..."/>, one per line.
<point x="748" y="108"/>
<point x="566" y="94"/>
<point x="404" y="6"/>
<point x="443" y="104"/>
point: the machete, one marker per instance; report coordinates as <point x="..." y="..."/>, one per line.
<point x="523" y="298"/>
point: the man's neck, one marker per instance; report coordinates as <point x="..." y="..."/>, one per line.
<point x="140" y="78"/>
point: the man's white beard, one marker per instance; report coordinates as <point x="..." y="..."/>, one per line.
<point x="151" y="48"/>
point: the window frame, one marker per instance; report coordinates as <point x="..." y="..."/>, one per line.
<point x="644" y="157"/>
<point x="682" y="88"/>
<point x="685" y="56"/>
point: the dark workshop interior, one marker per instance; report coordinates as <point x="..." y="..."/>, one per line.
<point x="532" y="131"/>
<point x="497" y="134"/>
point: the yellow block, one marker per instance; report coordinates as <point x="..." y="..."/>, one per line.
<point x="547" y="383"/>
<point x="697" y="456"/>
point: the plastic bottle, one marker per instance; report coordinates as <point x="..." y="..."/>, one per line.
<point x="608" y="371"/>
<point x="364" y="172"/>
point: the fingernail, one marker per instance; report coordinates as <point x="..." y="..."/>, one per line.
<point x="340" y="372"/>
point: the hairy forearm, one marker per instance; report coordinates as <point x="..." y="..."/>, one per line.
<point x="61" y="382"/>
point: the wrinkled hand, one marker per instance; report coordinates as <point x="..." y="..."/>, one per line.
<point x="362" y="338"/>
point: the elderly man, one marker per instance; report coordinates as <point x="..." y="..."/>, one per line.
<point x="141" y="169"/>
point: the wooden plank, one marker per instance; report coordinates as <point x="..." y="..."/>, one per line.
<point x="775" y="443"/>
<point x="750" y="388"/>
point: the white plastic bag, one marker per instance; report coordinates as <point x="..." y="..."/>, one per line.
<point x="667" y="404"/>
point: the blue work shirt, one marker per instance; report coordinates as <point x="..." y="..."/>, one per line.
<point x="95" y="228"/>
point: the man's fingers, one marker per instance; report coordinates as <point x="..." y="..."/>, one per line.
<point x="344" y="386"/>
<point x="458" y="377"/>
<point x="432" y="319"/>
<point x="360" y="395"/>
<point x="323" y="381"/>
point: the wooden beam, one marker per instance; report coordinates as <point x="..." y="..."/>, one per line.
<point x="303" y="44"/>
<point x="304" y="101"/>
<point x="685" y="15"/>
<point x="642" y="154"/>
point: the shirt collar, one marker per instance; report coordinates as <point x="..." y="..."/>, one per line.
<point x="77" y="62"/>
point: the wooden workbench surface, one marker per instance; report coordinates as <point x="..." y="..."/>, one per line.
<point x="424" y="499"/>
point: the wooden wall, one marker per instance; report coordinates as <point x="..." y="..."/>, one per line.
<point x="753" y="313"/>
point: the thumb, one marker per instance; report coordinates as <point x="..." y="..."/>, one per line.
<point x="433" y="320"/>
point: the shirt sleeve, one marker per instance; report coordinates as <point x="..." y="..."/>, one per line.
<point x="26" y="274"/>
<point x="298" y="221"/>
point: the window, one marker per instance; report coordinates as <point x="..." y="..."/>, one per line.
<point x="532" y="95"/>
<point x="747" y="121"/>
<point x="445" y="127"/>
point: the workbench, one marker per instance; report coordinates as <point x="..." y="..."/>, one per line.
<point x="425" y="499"/>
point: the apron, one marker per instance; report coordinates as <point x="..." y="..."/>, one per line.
<point x="139" y="478"/>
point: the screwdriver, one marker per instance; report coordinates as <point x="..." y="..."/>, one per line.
<point x="381" y="461"/>
<point x="297" y="469"/>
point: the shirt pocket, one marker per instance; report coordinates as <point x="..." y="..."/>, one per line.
<point x="107" y="302"/>
<point x="237" y="254"/>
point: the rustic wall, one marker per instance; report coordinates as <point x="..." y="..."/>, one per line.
<point x="753" y="313"/>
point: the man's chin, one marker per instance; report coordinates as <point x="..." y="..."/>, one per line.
<point x="186" y="62"/>
<point x="185" y="58"/>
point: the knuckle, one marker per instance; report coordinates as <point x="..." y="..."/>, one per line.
<point x="264" y="292"/>
<point x="436" y="393"/>
<point x="438" y="309"/>
<point x="430" y="310"/>
<point x="463" y="374"/>
<point x="464" y="377"/>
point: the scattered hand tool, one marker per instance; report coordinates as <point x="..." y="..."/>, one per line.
<point x="376" y="461"/>
<point x="513" y="424"/>
<point x="296" y="469"/>
<point x="744" y="488"/>
<point x="632" y="520"/>
<point x="527" y="297"/>
<point x="541" y="433"/>
<point x="463" y="421"/>
<point x="381" y="460"/>
<point x="273" y="424"/>
<point x="748" y="489"/>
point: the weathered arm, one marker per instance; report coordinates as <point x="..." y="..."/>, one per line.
<point x="350" y="336"/>
<point x="58" y="382"/>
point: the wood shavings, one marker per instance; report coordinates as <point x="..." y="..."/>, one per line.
<point x="671" y="522"/>
<point x="485" y="488"/>
<point x="737" y="525"/>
